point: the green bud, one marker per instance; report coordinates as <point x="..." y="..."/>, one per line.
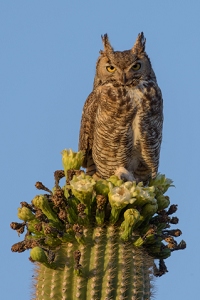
<point x="161" y="183"/>
<point x="142" y="194"/>
<point x="72" y="160"/>
<point x="115" y="180"/>
<point x="25" y="214"/>
<point x="131" y="217"/>
<point x="162" y="201"/>
<point x="38" y="254"/>
<point x="148" y="210"/>
<point x="101" y="187"/>
<point x="32" y="227"/>
<point x="83" y="196"/>
<point x="42" y="203"/>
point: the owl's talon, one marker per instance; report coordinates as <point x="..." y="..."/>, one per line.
<point x="124" y="174"/>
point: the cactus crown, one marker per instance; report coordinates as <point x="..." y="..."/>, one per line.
<point x="81" y="226"/>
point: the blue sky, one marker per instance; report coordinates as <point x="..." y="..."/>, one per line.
<point x="48" y="51"/>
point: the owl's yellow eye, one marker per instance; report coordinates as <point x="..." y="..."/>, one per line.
<point x="136" y="67"/>
<point x="110" y="69"/>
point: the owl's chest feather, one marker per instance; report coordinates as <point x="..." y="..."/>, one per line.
<point x="122" y="123"/>
<point x="119" y="112"/>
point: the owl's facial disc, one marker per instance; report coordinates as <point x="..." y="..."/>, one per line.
<point x="122" y="73"/>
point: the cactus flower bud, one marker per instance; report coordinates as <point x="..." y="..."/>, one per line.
<point x="42" y="203"/>
<point x="161" y="183"/>
<point x="38" y="254"/>
<point x="115" y="180"/>
<point x="72" y="160"/>
<point x="101" y="187"/>
<point x="25" y="214"/>
<point x="162" y="201"/>
<point x="148" y="210"/>
<point x="143" y="194"/>
<point x="131" y="217"/>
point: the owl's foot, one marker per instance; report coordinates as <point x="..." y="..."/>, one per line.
<point x="124" y="174"/>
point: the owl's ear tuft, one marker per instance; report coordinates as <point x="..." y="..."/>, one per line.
<point x="107" y="46"/>
<point x="139" y="45"/>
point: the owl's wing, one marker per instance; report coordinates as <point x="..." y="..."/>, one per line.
<point x="87" y="131"/>
<point x="151" y="123"/>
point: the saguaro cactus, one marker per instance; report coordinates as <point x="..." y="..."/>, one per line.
<point x="97" y="239"/>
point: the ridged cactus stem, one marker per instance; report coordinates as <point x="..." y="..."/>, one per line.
<point x="108" y="269"/>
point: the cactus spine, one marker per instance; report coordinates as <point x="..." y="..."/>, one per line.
<point x="97" y="239"/>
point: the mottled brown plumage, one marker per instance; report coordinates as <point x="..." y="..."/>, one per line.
<point x="121" y="126"/>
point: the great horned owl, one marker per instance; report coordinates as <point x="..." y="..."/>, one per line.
<point x="121" y="126"/>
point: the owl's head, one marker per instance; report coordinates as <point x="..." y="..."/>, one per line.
<point x="127" y="67"/>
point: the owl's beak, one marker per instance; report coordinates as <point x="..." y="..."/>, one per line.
<point x="124" y="79"/>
